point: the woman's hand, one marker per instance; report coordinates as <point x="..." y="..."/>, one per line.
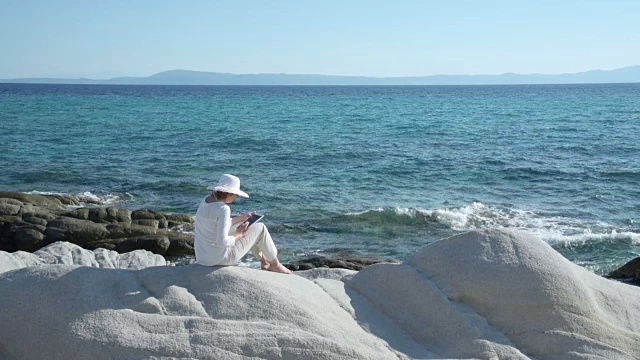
<point x="247" y="216"/>
<point x="240" y="230"/>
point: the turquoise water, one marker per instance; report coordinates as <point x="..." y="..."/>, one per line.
<point x="363" y="170"/>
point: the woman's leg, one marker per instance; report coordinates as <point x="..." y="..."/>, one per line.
<point x="257" y="240"/>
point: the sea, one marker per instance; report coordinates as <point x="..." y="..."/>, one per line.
<point x="367" y="171"/>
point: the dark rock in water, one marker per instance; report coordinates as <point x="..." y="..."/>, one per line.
<point x="28" y="240"/>
<point x="303" y="266"/>
<point x="178" y="218"/>
<point x="9" y="209"/>
<point x="147" y="222"/>
<point x="35" y="220"/>
<point x="180" y="244"/>
<point x="109" y="215"/>
<point x="157" y="244"/>
<point x="109" y="244"/>
<point x="49" y="201"/>
<point x="40" y="214"/>
<point x="146" y="214"/>
<point x="118" y="231"/>
<point x="75" y="231"/>
<point x="11" y="201"/>
<point x="16" y="234"/>
<point x="351" y="263"/>
<point x="82" y="214"/>
<point x="29" y="222"/>
<point x="630" y="270"/>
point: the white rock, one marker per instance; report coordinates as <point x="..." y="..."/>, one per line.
<point x="486" y="294"/>
<point x="192" y="311"/>
<point x="70" y="254"/>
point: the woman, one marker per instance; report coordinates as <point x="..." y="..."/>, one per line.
<point x="223" y="240"/>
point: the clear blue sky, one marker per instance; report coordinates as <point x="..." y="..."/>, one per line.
<point x="107" y="38"/>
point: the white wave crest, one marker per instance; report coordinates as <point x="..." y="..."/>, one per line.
<point x="88" y="198"/>
<point x="556" y="230"/>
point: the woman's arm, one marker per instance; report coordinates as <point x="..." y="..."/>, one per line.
<point x="223" y="219"/>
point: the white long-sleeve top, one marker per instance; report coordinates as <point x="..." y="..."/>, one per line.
<point x="212" y="239"/>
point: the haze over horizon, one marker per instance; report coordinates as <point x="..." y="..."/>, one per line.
<point x="411" y="38"/>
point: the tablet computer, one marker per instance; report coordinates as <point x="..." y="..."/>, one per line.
<point x="254" y="218"/>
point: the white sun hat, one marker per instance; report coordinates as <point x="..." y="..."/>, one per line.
<point x="229" y="184"/>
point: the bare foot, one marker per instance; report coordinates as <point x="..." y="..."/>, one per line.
<point x="279" y="268"/>
<point x="264" y="264"/>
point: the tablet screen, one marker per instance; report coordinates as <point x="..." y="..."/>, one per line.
<point x="254" y="218"/>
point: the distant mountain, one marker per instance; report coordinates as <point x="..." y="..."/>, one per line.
<point x="186" y="77"/>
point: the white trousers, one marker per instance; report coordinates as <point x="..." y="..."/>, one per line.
<point x="257" y="240"/>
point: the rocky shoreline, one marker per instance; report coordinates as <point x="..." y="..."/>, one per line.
<point x="30" y="222"/>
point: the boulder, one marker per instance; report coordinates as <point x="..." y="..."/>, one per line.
<point x="74" y="230"/>
<point x="9" y="209"/>
<point x="147" y="222"/>
<point x="109" y="244"/>
<point x="28" y="239"/>
<point x="180" y="218"/>
<point x="123" y="230"/>
<point x="10" y="201"/>
<point x="157" y="244"/>
<point x="630" y="270"/>
<point x="43" y="214"/>
<point x="47" y="201"/>
<point x="490" y="294"/>
<point x="16" y="234"/>
<point x="92" y="227"/>
<point x="35" y="220"/>
<point x="81" y="213"/>
<point x="146" y="214"/>
<point x="187" y="312"/>
<point x="109" y="215"/>
<point x="180" y="244"/>
<point x="71" y="254"/>
<point x="101" y="215"/>
<point x="347" y="262"/>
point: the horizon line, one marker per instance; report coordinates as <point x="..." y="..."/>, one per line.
<point x="309" y="74"/>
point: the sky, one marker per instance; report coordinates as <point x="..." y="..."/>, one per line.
<point x="111" y="38"/>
